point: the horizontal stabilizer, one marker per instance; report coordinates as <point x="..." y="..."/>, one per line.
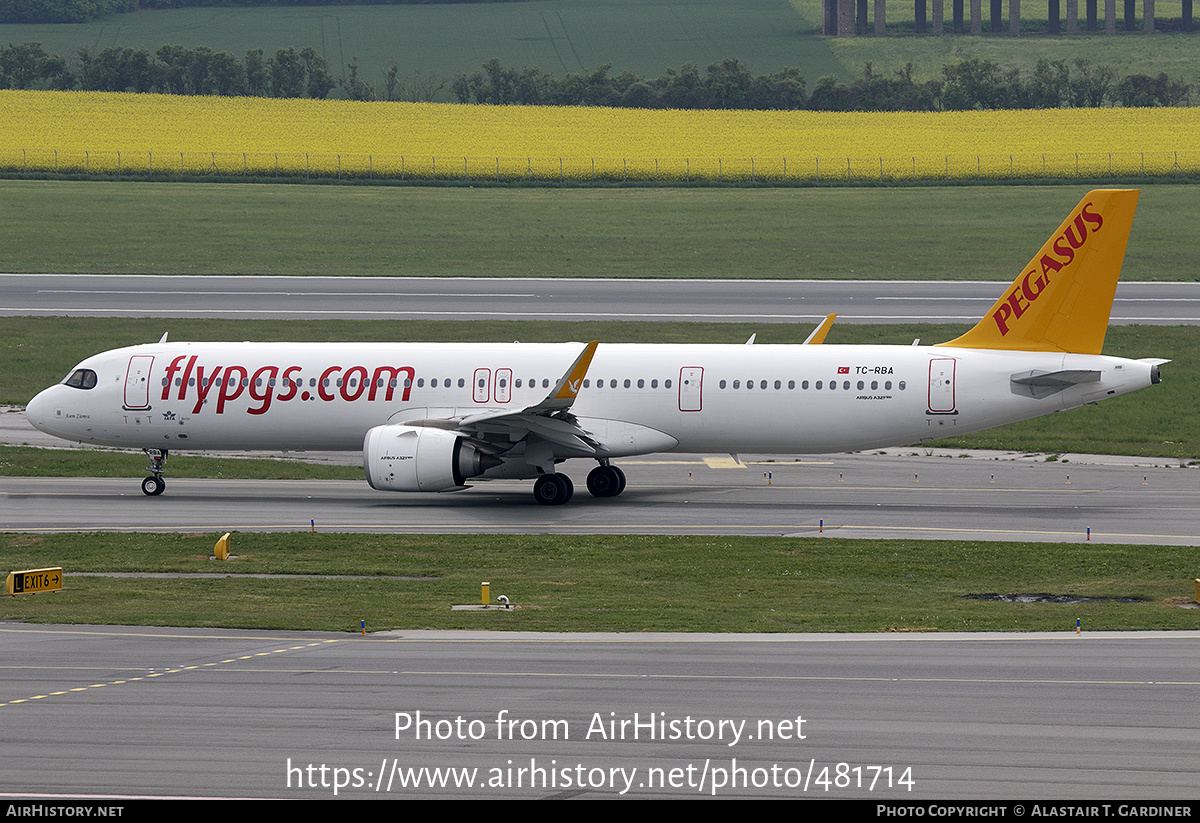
<point x="1038" y="384"/>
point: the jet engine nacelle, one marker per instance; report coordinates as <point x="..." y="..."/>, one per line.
<point x="402" y="458"/>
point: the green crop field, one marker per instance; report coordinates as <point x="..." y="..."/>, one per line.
<point x="562" y="36"/>
<point x="558" y="36"/>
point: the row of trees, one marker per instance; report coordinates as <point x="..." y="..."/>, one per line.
<point x="170" y="70"/>
<point x="981" y="84"/>
<point x="729" y="84"/>
<point x="183" y="70"/>
<point x="726" y="84"/>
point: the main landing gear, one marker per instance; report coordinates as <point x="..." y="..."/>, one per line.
<point x="553" y="489"/>
<point x="606" y="481"/>
<point x="557" y="489"/>
<point x="153" y="485"/>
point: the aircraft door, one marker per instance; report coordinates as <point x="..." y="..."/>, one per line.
<point x="503" y="389"/>
<point x="691" y="388"/>
<point x="481" y="390"/>
<point x="941" y="385"/>
<point x="137" y="382"/>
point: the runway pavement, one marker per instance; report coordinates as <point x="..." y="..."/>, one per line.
<point x="118" y="712"/>
<point x="449" y="298"/>
<point x="902" y="494"/>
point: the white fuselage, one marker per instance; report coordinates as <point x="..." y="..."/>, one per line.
<point x="637" y="398"/>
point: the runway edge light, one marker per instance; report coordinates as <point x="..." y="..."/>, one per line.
<point x="33" y="581"/>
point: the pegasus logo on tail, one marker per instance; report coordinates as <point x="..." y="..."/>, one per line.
<point x="1061" y="254"/>
<point x="1062" y="299"/>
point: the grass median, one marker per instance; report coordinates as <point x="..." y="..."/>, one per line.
<point x="605" y="583"/>
<point x="951" y="233"/>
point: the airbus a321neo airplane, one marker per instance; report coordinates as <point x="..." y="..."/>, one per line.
<point x="430" y="416"/>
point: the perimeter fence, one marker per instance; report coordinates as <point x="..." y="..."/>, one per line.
<point x="745" y="170"/>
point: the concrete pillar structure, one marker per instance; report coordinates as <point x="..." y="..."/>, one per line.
<point x="845" y="18"/>
<point x="848" y="18"/>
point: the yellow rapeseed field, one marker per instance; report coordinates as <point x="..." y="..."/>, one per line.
<point x="169" y="135"/>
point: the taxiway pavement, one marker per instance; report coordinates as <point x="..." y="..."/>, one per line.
<point x="891" y="495"/>
<point x="118" y="712"/>
<point x="466" y="298"/>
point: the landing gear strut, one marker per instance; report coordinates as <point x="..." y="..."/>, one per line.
<point x="153" y="485"/>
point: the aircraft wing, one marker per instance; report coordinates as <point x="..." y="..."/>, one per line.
<point x="548" y="420"/>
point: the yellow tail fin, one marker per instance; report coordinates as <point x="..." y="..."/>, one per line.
<point x="1062" y="299"/>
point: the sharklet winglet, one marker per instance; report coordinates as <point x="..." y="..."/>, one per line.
<point x="819" y="333"/>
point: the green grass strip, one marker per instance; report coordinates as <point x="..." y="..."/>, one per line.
<point x="27" y="461"/>
<point x="960" y="233"/>
<point x="604" y="583"/>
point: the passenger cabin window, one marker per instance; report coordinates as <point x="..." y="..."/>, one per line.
<point x="82" y="379"/>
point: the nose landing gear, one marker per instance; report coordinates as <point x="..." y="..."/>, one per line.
<point x="153" y="485"/>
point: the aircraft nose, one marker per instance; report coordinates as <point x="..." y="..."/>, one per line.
<point x="39" y="412"/>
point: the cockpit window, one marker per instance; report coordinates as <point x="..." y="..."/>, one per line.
<point x="81" y="379"/>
